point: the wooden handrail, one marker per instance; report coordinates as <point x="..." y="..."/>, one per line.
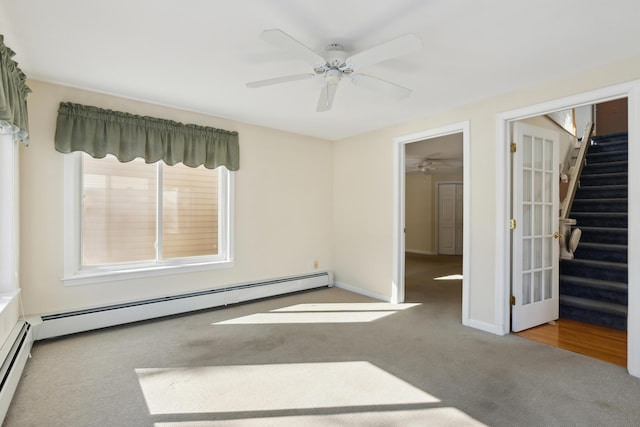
<point x="575" y="171"/>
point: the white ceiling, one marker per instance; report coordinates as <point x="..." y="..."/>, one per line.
<point x="198" y="54"/>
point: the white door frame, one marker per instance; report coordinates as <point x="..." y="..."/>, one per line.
<point x="397" y="291"/>
<point x="631" y="91"/>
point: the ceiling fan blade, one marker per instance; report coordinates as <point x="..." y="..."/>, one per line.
<point x="381" y="86"/>
<point x="278" y="80"/>
<point x="328" y="93"/>
<point x="391" y="49"/>
<point x="284" y="41"/>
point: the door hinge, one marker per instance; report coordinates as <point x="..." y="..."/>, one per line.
<point x="513" y="300"/>
<point x="513" y="147"/>
<point x="512" y="224"/>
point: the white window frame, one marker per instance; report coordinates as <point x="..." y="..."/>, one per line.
<point x="8" y="215"/>
<point x="76" y="274"/>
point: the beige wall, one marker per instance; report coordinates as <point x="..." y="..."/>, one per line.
<point x="419" y="213"/>
<point x="289" y="210"/>
<point x="363" y="207"/>
<point x="283" y="208"/>
<point x="421" y="221"/>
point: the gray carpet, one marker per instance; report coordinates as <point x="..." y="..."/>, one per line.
<point x="320" y="358"/>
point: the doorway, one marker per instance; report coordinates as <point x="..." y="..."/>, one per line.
<point x="590" y="279"/>
<point x="436" y="166"/>
<point x="630" y="91"/>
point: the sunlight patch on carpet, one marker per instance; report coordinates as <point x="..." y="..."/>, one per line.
<point x="225" y="389"/>
<point x="321" y="313"/>
<point x="284" y="318"/>
<point x="440" y="417"/>
<point x="347" y="306"/>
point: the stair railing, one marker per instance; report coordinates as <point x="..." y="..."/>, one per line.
<point x="569" y="239"/>
<point x="574" y="172"/>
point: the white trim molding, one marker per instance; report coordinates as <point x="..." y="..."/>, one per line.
<point x="361" y="291"/>
<point x="9" y="213"/>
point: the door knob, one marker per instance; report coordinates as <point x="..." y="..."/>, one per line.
<point x="556" y="235"/>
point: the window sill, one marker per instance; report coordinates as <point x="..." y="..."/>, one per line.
<point x="90" y="277"/>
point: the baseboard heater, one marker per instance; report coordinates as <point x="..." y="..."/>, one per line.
<point x="13" y="354"/>
<point x="55" y="325"/>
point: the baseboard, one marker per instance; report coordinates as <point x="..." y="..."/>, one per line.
<point x="486" y="327"/>
<point x="55" y="325"/>
<point x="418" y="252"/>
<point x="16" y="351"/>
<point x="360" y="291"/>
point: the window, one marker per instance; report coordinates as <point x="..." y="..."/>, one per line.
<point x="126" y="220"/>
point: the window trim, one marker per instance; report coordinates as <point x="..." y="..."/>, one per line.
<point x="75" y="274"/>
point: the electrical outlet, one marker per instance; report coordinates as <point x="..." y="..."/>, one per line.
<point x="315" y="264"/>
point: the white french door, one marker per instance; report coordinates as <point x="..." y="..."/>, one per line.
<point x="535" y="237"/>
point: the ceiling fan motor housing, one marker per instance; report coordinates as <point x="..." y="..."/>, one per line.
<point x="335" y="55"/>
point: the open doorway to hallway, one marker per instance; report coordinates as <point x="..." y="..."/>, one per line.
<point x="434" y="221"/>
<point x="592" y="276"/>
<point x="399" y="217"/>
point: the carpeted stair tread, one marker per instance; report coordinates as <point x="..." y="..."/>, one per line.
<point x="606" y="219"/>
<point x="606" y="156"/>
<point x="604" y="307"/>
<point x="617" y="140"/>
<point x="595" y="289"/>
<point x="610" y="167"/>
<point x="600" y="191"/>
<point x="603" y="270"/>
<point x="603" y="235"/>
<point x="594" y="317"/>
<point x="605" y="246"/>
<point x="606" y="187"/>
<point x="602" y="186"/>
<point x="600" y="205"/>
<point x="609" y="178"/>
<point x="597" y="283"/>
<point x="602" y="264"/>
<point x="598" y="139"/>
<point x="602" y="252"/>
<point x="598" y="154"/>
<point x="608" y="146"/>
<point x="602" y="214"/>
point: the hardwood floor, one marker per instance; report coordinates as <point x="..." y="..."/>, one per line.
<point x="421" y="282"/>
<point x="600" y="343"/>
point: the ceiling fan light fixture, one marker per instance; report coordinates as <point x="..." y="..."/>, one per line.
<point x="333" y="76"/>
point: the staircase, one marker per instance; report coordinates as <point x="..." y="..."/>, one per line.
<point x="593" y="285"/>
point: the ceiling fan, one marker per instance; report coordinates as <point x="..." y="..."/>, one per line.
<point x="430" y="165"/>
<point x="335" y="63"/>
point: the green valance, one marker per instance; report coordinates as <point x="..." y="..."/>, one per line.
<point x="13" y="93"/>
<point x="99" y="132"/>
